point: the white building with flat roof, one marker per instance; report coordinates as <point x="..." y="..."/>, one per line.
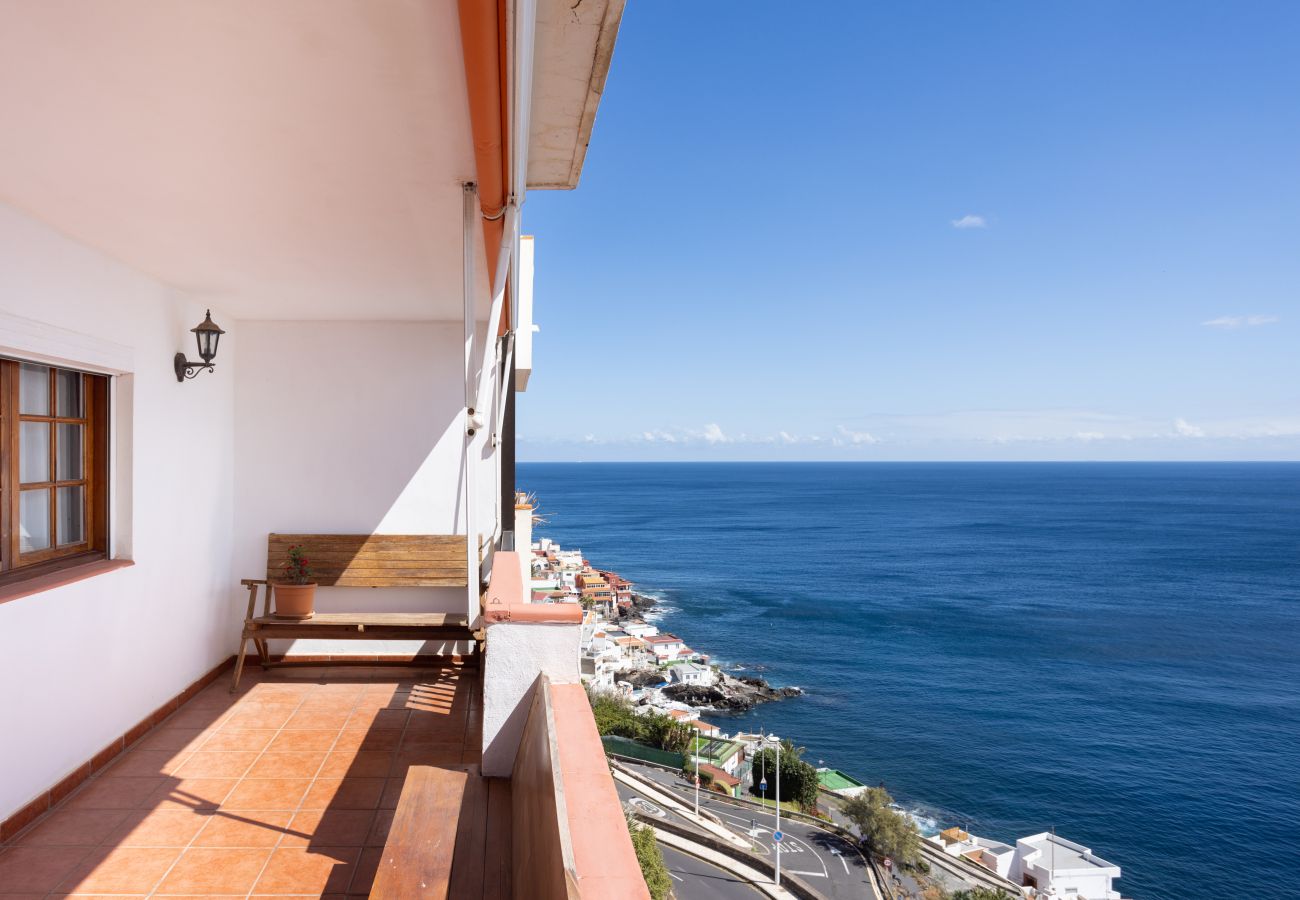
<point x="1056" y="867"/>
<point x="691" y="673"/>
<point x="640" y="629"/>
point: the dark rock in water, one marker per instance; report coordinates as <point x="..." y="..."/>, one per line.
<point x="640" y="603"/>
<point x="730" y="694"/>
<point x="640" y="678"/>
<point x="712" y="697"/>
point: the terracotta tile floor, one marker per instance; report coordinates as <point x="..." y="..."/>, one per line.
<point x="286" y="788"/>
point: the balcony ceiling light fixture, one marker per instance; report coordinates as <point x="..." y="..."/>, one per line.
<point x="207" y="335"/>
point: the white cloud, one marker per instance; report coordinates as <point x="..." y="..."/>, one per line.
<point x="1229" y="322"/>
<point x="1090" y="436"/>
<point x="714" y="435"/>
<point x="1183" y="428"/>
<point x="786" y="438"/>
<point x="970" y="221"/>
<point x="857" y="437"/>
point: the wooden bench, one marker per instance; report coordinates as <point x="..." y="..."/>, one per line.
<point x="359" y="560"/>
<point x="450" y="838"/>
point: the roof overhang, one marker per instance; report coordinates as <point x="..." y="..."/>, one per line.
<point x="573" y="47"/>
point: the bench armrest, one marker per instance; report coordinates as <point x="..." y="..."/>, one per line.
<point x="253" y="585"/>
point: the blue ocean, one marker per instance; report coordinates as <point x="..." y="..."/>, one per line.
<point x="1109" y="649"/>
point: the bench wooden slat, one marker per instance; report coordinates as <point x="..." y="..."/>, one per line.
<point x="399" y="541"/>
<point x="427" y="580"/>
<point x="375" y="560"/>
<point x="393" y="620"/>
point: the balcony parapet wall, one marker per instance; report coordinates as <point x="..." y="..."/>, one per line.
<point x="524" y="640"/>
<point x="570" y="837"/>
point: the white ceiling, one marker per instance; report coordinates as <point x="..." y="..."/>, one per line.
<point x="279" y="159"/>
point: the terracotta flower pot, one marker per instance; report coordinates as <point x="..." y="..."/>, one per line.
<point x="295" y="601"/>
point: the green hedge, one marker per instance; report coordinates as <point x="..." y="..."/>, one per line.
<point x="651" y="858"/>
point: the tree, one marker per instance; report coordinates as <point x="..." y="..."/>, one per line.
<point x="651" y="858"/>
<point x="798" y="778"/>
<point x="886" y="831"/>
<point x="614" y="715"/>
<point x="664" y="732"/>
<point x="981" y="893"/>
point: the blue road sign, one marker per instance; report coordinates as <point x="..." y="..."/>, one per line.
<point x="777" y="836"/>
<point x="762" y="785"/>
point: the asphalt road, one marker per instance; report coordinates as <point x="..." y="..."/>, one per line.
<point x="825" y="861"/>
<point x="694" y="879"/>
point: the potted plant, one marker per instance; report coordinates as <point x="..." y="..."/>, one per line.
<point x="295" y="594"/>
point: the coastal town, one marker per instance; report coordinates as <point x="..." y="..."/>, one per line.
<point x="624" y="654"/>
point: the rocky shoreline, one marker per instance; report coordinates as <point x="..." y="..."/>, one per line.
<point x="730" y="693"/>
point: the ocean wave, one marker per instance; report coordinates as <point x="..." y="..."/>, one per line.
<point x="925" y="823"/>
<point x="657" y="612"/>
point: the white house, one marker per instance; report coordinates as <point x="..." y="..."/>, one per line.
<point x="664" y="647"/>
<point x="691" y="673"/>
<point x="1056" y="867"/>
<point x="640" y="629"/>
<point x="995" y="856"/>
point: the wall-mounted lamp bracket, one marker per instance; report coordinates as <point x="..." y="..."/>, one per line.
<point x="186" y="369"/>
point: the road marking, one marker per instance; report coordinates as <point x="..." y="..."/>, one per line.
<point x="809" y="874"/>
<point x="647" y="807"/>
<point x="678" y="877"/>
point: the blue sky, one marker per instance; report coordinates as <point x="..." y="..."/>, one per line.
<point x="1012" y="230"/>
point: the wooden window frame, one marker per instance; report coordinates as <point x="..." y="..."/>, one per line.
<point x="16" y="565"/>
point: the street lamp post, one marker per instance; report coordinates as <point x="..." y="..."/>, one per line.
<point x="696" y="754"/>
<point x="777" y="741"/>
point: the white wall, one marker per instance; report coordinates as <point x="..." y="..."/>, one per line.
<point x="517" y="653"/>
<point x="353" y="428"/>
<point x="85" y="662"/>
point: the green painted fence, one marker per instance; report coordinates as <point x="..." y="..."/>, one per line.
<point x="621" y="746"/>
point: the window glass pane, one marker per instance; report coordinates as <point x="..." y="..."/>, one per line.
<point x="34" y="520"/>
<point x="72" y="517"/>
<point x="33" y="452"/>
<point x="34" y="390"/>
<point x="67" y="386"/>
<point x="68" y="451"/>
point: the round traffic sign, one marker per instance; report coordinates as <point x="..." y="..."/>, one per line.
<point x="888" y="862"/>
<point x="777" y="836"/>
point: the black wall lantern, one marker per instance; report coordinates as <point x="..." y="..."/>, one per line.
<point x="207" y="335"/>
